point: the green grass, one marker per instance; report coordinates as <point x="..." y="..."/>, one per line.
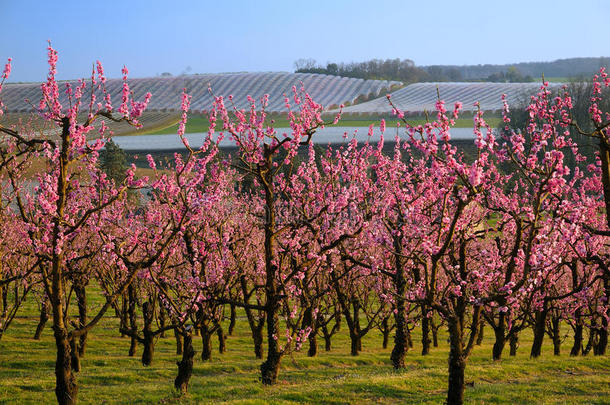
<point x="198" y="124"/>
<point x="109" y="376"/>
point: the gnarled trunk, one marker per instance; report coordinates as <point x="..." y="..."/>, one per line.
<point x="74" y="355"/>
<point x="222" y="339"/>
<point x="356" y="343"/>
<point x="385" y="331"/>
<point x="602" y="343"/>
<point x="149" y="337"/>
<point x="481" y="332"/>
<point x="500" y="335"/>
<point x="257" y="335"/>
<point x="162" y="321"/>
<point x="457" y="364"/>
<point x="556" y="334"/>
<point x="401" y="346"/>
<point x="81" y="299"/>
<point x="185" y="366"/>
<point x="66" y="388"/>
<point x="44" y="317"/>
<point x="310" y="322"/>
<point x="270" y="368"/>
<point x="178" y="337"/>
<point x="513" y="342"/>
<point x="327" y="338"/>
<point x="206" y="340"/>
<point x="313" y="345"/>
<point x="133" y="322"/>
<point x="578" y="335"/>
<point x="425" y="332"/>
<point x="539" y="331"/>
<point x="232" y="320"/>
<point x="592" y="340"/>
<point x="434" y="329"/>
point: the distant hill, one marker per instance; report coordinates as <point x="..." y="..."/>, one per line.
<point x="405" y="70"/>
<point x="571" y="67"/>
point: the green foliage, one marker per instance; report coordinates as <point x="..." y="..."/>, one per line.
<point x="113" y="161"/>
<point x="512" y="75"/>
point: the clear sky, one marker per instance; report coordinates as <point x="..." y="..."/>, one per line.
<point x="152" y="37"/>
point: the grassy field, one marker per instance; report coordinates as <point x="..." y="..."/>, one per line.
<point x="198" y="123"/>
<point x="109" y="376"/>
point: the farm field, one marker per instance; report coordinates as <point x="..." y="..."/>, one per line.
<point x="200" y="123"/>
<point x="109" y="376"/>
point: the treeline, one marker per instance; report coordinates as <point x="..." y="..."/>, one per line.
<point x="570" y="67"/>
<point x="403" y="70"/>
<point x="406" y="71"/>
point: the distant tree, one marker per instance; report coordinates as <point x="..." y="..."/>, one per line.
<point x="113" y="161"/>
<point x="436" y="74"/>
<point x="305" y="64"/>
<point x="403" y="70"/>
<point x="511" y="75"/>
<point x="332" y="68"/>
<point x="454" y="74"/>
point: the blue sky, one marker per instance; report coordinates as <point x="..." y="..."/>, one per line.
<point x="151" y="37"/>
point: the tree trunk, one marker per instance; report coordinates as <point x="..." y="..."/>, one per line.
<point x="327" y="338"/>
<point x="4" y="300"/>
<point x="434" y="329"/>
<point x="385" y="331"/>
<point x="602" y="343"/>
<point x="539" y="331"/>
<point x="310" y="322"/>
<point x="44" y="317"/>
<point x="185" y="366"/>
<point x="401" y="345"/>
<point x="257" y="336"/>
<point x="513" y="342"/>
<point x="425" y="332"/>
<point x="457" y="364"/>
<point x="66" y="388"/>
<point x="556" y="336"/>
<point x="178" y="342"/>
<point x="313" y="345"/>
<point x="270" y="368"/>
<point x="123" y="315"/>
<point x="222" y="339"/>
<point x="591" y="342"/>
<point x="149" y="337"/>
<point x="356" y="342"/>
<point x="354" y="328"/>
<point x="161" y="320"/>
<point x="81" y="298"/>
<point x="578" y="335"/>
<point x="500" y="334"/>
<point x="206" y="340"/>
<point x="409" y="339"/>
<point x="74" y="359"/>
<point x="481" y="331"/>
<point x="232" y="320"/>
<point x="133" y="322"/>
